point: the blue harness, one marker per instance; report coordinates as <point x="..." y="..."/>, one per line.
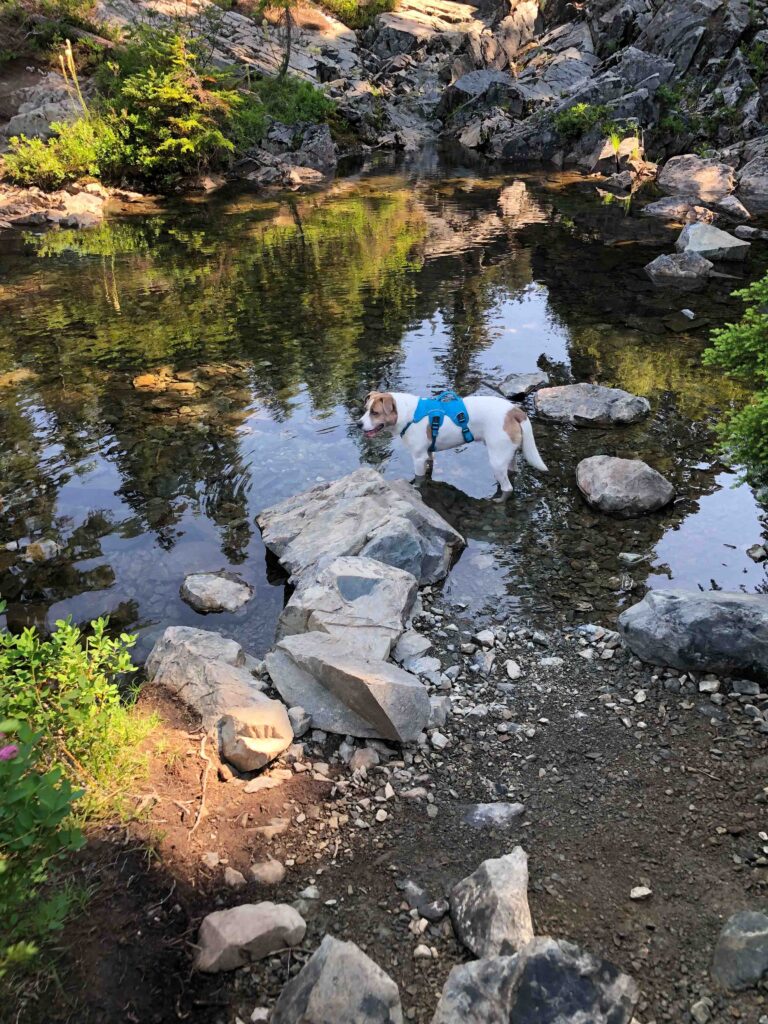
<point x="448" y="404"/>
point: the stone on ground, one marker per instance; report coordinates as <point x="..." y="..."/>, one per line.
<point x="590" y="405"/>
<point x="478" y="992"/>
<point x="741" y="953"/>
<point x="679" y="209"/>
<point x="518" y="385"/>
<point x="708" y="180"/>
<point x="215" y="591"/>
<point x="346" y="693"/>
<point x="686" y="271"/>
<point x="710" y="242"/>
<point x="753" y="185"/>
<point x="267" y="872"/>
<point x="231" y="938"/>
<point x="339" y="984"/>
<point x="411" y="645"/>
<point x="204" y="669"/>
<point x="360" y="600"/>
<point x="360" y="514"/>
<point x="495" y="815"/>
<point x="622" y="487"/>
<point x="489" y="908"/>
<point x="713" y="631"/>
<point x="252" y="736"/>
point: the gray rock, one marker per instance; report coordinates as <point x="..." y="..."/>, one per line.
<point x="715" y="631"/>
<point x="750" y="234"/>
<point x="689" y="175"/>
<point x="518" y="385"/>
<point x="590" y="405"/>
<point x="252" y="736"/>
<point x="622" y="487"/>
<point x="359" y="600"/>
<point x="490" y="909"/>
<point x="753" y="185"/>
<point x="686" y="271"/>
<point x="301" y="722"/>
<point x="339" y="984"/>
<point x="231" y="938"/>
<point x="495" y="815"/>
<point x="267" y="872"/>
<point x="411" y="645"/>
<point x="346" y="693"/>
<point x="361" y="514"/>
<point x="440" y="709"/>
<point x="42" y="551"/>
<point x="487" y="84"/>
<point x="733" y="209"/>
<point x="204" y="669"/>
<point x="215" y="591"/>
<point x="741" y="953"/>
<point x="479" y="992"/>
<point x="678" y="209"/>
<point x="710" y="242"/>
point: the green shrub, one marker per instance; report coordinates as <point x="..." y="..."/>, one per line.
<point x="88" y="146"/>
<point x="358" y="14"/>
<point x="580" y="119"/>
<point x="292" y="100"/>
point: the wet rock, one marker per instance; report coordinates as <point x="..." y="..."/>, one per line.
<point x="741" y="953"/>
<point x="590" y="405"/>
<point x="678" y="209"/>
<point x="619" y="183"/>
<point x="346" y="693"/>
<point x="757" y="553"/>
<point x="204" y="669"/>
<point x="231" y="938"/>
<point x="495" y="815"/>
<point x="690" y="175"/>
<point x="215" y="591"/>
<point x="486" y="84"/>
<point x="714" y="631"/>
<point x="518" y="385"/>
<point x="622" y="487"/>
<point x="359" y="600"/>
<point x="490" y="909"/>
<point x="361" y="514"/>
<point x="339" y="984"/>
<point x="687" y="271"/>
<point x="252" y="736"/>
<point x="267" y="872"/>
<point x="42" y="551"/>
<point x="711" y="243"/>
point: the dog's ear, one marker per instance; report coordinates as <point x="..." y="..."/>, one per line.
<point x="368" y="398"/>
<point x="390" y="406"/>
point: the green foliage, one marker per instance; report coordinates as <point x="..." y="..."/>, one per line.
<point x="92" y="146"/>
<point x="293" y="100"/>
<point x="356" y="14"/>
<point x="757" y="59"/>
<point x="579" y="119"/>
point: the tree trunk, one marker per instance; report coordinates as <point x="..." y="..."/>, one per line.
<point x="287" y="57"/>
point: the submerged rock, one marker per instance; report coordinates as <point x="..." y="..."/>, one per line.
<point x="590" y="405"/>
<point x="711" y="243"/>
<point x="518" y="385"/>
<point x="339" y="984"/>
<point x="231" y="938"/>
<point x="713" y="631"/>
<point x="690" y="175"/>
<point x="215" y="591"/>
<point x="687" y="271"/>
<point x="42" y="551"/>
<point x="741" y="953"/>
<point x="622" y="487"/>
<point x="490" y="909"/>
<point x="253" y="736"/>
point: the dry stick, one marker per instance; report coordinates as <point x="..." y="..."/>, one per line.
<point x="201" y="808"/>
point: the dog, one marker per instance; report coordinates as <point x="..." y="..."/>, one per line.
<point x="502" y="427"/>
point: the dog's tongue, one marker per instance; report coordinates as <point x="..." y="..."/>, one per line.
<point x="371" y="433"/>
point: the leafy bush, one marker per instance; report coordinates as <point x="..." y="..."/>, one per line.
<point x="292" y="100"/>
<point x="358" y="14"/>
<point x="93" y="146"/>
<point x="580" y="119"/>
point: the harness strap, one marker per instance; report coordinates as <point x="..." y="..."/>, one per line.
<point x="447" y="404"/>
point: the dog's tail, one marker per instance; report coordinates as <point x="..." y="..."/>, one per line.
<point x="530" y="451"/>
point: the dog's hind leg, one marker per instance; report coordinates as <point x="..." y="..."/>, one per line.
<point x="501" y="454"/>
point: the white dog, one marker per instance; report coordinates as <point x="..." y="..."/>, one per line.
<point x="502" y="427"/>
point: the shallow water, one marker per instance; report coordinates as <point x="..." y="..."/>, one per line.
<point x="273" y="318"/>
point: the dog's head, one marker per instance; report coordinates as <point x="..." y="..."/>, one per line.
<point x="380" y="413"/>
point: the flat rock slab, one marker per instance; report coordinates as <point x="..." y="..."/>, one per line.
<point x="708" y="180"/>
<point x="518" y="385"/>
<point x="489" y="908"/>
<point x="360" y="514"/>
<point x="495" y="815"/>
<point x="346" y="693"/>
<point x="339" y="984"/>
<point x="686" y="271"/>
<point x="622" y="487"/>
<point x="252" y="736"/>
<point x="204" y="669"/>
<point x="741" y="953"/>
<point x="360" y="600"/>
<point x="590" y="405"/>
<point x="710" y="242"/>
<point x="719" y="632"/>
<point x="231" y="938"/>
<point x="215" y="591"/>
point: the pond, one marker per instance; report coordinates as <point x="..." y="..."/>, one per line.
<point x="166" y="376"/>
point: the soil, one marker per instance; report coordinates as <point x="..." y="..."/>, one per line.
<point x="624" y="782"/>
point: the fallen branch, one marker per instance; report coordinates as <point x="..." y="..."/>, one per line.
<point x="204" y="785"/>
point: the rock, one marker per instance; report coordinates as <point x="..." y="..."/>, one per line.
<point x="713" y="631"/>
<point x="708" y="180"/>
<point x="486" y="84"/>
<point x="361" y="514"/>
<point x="211" y="859"/>
<point x="711" y="243"/>
<point x="619" y="183"/>
<point x="231" y="938"/>
<point x="346" y="693"/>
<point x="753" y="185"/>
<point x="741" y="953"/>
<point x="215" y="591"/>
<point x="495" y="815"/>
<point x="678" y="209"/>
<point x="411" y="645"/>
<point x="205" y="670"/>
<point x="733" y="209"/>
<point x="590" y="405"/>
<point x="42" y="551"/>
<point x="622" y="487"/>
<point x="518" y="385"/>
<point x="490" y="909"/>
<point x="440" y="709"/>
<point x="640" y="892"/>
<point x="548" y="982"/>
<point x="607" y="160"/>
<point x="252" y="736"/>
<point x="339" y="984"/>
<point x="364" y="759"/>
<point x="750" y="234"/>
<point x="267" y="872"/>
<point x="513" y="669"/>
<point x="687" y="271"/>
<point x="301" y="722"/>
<point x="233" y="878"/>
<point x="757" y="553"/>
<point x="359" y="600"/>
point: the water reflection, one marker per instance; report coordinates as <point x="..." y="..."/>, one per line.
<point x="184" y="370"/>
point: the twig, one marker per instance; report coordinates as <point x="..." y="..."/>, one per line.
<point x="700" y="771"/>
<point x="201" y="808"/>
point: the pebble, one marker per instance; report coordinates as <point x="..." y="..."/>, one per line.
<point x="364" y="759"/>
<point x="640" y="892"/>
<point x="310" y="893"/>
<point x="233" y="878"/>
<point x="422" y="952"/>
<point x="268" y="872"/>
<point x="513" y="669"/>
<point x="552" y="662"/>
<point x="640" y="697"/>
<point x="709" y="686"/>
<point x="438" y="740"/>
<point x="381" y="815"/>
<point x="210" y="859"/>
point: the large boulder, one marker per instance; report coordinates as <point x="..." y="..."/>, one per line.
<point x="753" y="185"/>
<point x="486" y="85"/>
<point x="678" y="209"/>
<point x="489" y="908"/>
<point x="361" y="514"/>
<point x="231" y="938"/>
<point x="710" y="242"/>
<point x="622" y="487"/>
<point x="360" y="600"/>
<point x="686" y="271"/>
<point x="713" y="631"/>
<point x="339" y="984"/>
<point x="689" y="175"/>
<point x="346" y="693"/>
<point x="205" y="670"/>
<point x="741" y="953"/>
<point x="548" y="982"/>
<point x="253" y="736"/>
<point x="590" y="405"/>
<point x="215" y="591"/>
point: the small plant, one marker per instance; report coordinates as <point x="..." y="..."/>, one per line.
<point x="757" y="59"/>
<point x="358" y="15"/>
<point x="579" y="119"/>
